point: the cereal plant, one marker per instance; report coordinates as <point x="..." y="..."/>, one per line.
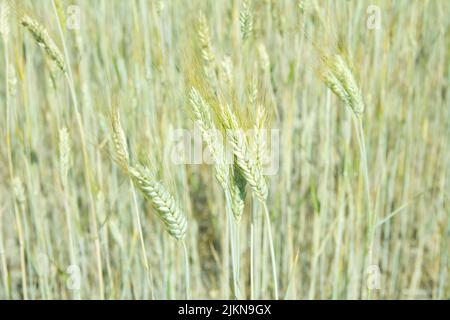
<point x="224" y="149"/>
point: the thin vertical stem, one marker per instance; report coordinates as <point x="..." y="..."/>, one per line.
<point x="8" y="146"/>
<point x="233" y="244"/>
<point x="142" y="242"/>
<point x="272" y="250"/>
<point x="187" y="275"/>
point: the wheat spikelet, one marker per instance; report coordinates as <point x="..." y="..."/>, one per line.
<point x="64" y="155"/>
<point x="230" y="179"/>
<point x="164" y="204"/>
<point x="260" y="137"/>
<point x="237" y="192"/>
<point x="246" y="19"/>
<point x="206" y="49"/>
<point x="249" y="170"/>
<point x="120" y="155"/>
<point x="339" y="78"/>
<point x="41" y="36"/>
<point x="205" y="40"/>
<point x="200" y="108"/>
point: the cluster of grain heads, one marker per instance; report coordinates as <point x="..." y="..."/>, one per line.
<point x="247" y="165"/>
<point x="41" y="36"/>
<point x="339" y="78"/>
<point x="251" y="172"/>
<point x="230" y="178"/>
<point x="163" y="203"/>
<point x="246" y="19"/>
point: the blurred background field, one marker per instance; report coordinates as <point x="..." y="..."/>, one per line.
<point x="67" y="221"/>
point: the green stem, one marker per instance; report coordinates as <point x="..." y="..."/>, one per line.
<point x="8" y="148"/>
<point x="272" y="250"/>
<point x="187" y="275"/>
<point x="141" y="239"/>
<point x="231" y="223"/>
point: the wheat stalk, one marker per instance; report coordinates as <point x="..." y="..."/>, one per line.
<point x="19" y="195"/>
<point x="252" y="173"/>
<point x="162" y="201"/>
<point x="230" y="180"/>
<point x="339" y="78"/>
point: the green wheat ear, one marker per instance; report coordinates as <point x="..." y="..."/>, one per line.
<point x="339" y="78"/>
<point x="162" y="201"/>
<point x="41" y="36"/>
<point x="237" y="188"/>
<point x="246" y="19"/>
<point x="164" y="204"/>
<point x="120" y="155"/>
<point x="205" y="40"/>
<point x="247" y="165"/>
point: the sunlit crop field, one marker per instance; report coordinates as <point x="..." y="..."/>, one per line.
<point x="224" y="149"/>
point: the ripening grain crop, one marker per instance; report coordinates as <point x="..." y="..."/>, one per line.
<point x="224" y="149"/>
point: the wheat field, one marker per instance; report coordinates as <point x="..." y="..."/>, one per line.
<point x="229" y="149"/>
